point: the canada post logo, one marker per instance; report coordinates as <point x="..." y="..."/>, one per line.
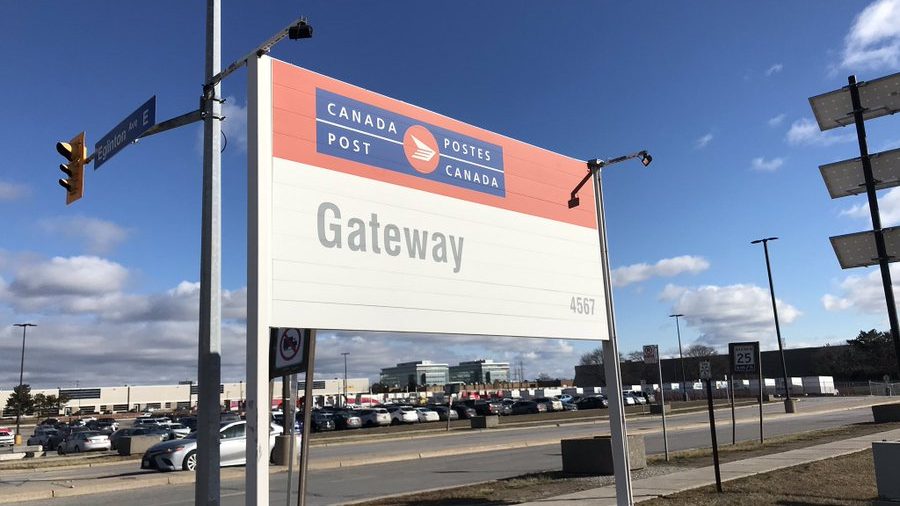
<point x="357" y="131"/>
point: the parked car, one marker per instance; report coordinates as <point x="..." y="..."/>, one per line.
<point x="84" y="442"/>
<point x="42" y="435"/>
<point x="569" y="406"/>
<point x="228" y="416"/>
<point x="7" y="438"/>
<point x="628" y="399"/>
<point x="565" y="398"/>
<point x="189" y="421"/>
<point x="638" y="398"/>
<point x="592" y="403"/>
<point x="105" y="425"/>
<point x="347" y="419"/>
<point x="427" y="415"/>
<point x="49" y="421"/>
<point x="182" y="453"/>
<point x="373" y="417"/>
<point x="403" y="414"/>
<point x="464" y="411"/>
<point x="551" y="403"/>
<point x="179" y="430"/>
<point x="443" y="411"/>
<point x="483" y="407"/>
<point x="322" y="421"/>
<point x="526" y="407"/>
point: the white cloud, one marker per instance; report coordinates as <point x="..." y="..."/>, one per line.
<point x="761" y="164"/>
<point x="99" y="236"/>
<point x="805" y="132"/>
<point x="81" y="275"/>
<point x="774" y="69"/>
<point x="722" y="314"/>
<point x="863" y="293"/>
<point x="777" y="120"/>
<point x="12" y="191"/>
<point x="888" y="208"/>
<point x="702" y="142"/>
<point x="873" y="41"/>
<point x="667" y="267"/>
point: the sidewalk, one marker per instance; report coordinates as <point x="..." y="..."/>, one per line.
<point x="651" y="488"/>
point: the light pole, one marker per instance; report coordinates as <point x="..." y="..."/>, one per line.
<point x="788" y="404"/>
<point x="345" y="353"/>
<point x="21" y="376"/>
<point x="621" y="465"/>
<point x="681" y="356"/>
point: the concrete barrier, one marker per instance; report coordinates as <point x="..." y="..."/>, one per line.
<point x="593" y="455"/>
<point x="886" y="455"/>
<point x="130" y="445"/>
<point x="886" y="412"/>
<point x="656" y="409"/>
<point x="485" y="422"/>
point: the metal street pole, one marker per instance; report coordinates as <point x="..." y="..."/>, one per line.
<point x="618" y="430"/>
<point x="344" y="402"/>
<point x="681" y="355"/>
<point x="788" y="406"/>
<point x="209" y="374"/>
<point x="883" y="259"/>
<point x="24" y="326"/>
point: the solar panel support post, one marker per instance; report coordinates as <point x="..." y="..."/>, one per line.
<point x="883" y="260"/>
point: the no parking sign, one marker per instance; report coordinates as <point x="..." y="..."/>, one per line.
<point x="288" y="351"/>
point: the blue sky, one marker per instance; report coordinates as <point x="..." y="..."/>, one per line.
<point x="716" y="91"/>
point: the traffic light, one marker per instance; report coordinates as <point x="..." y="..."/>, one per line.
<point x="75" y="152"/>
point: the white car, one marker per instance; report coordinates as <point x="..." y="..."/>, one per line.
<point x="182" y="453"/>
<point x="403" y="414"/>
<point x="374" y="417"/>
<point x="427" y="415"/>
<point x="7" y="438"/>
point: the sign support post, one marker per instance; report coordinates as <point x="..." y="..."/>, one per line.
<point x="307" y="418"/>
<point x="651" y="355"/>
<point x="706" y="376"/>
<point x="761" y="438"/>
<point x="730" y="390"/>
<point x="617" y="429"/>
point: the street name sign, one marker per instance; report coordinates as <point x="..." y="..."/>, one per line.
<point x="744" y="357"/>
<point x="126" y="132"/>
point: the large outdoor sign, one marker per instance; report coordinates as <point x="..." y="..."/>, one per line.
<point x="368" y="213"/>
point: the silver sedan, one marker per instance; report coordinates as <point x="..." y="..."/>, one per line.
<point x="182" y="453"/>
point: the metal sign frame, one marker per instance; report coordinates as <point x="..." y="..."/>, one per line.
<point x="300" y="358"/>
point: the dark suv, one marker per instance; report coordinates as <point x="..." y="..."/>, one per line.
<point x="483" y="407"/>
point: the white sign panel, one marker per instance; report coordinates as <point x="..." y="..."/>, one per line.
<point x="371" y="214"/>
<point x="705" y="370"/>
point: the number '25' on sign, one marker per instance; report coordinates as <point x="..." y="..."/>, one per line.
<point x="744" y="357"/>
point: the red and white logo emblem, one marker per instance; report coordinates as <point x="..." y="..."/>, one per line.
<point x="421" y="149"/>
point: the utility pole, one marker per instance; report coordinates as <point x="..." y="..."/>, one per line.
<point x="344" y="402"/>
<point x="206" y="490"/>
<point x="18" y="438"/>
<point x="681" y="356"/>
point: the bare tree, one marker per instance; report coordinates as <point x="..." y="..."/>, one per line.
<point x="593" y="357"/>
<point x="635" y="356"/>
<point x="699" y="350"/>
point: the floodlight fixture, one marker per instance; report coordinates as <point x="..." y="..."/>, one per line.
<point x="846" y="177"/>
<point x="599" y="163"/>
<point x="878" y="97"/>
<point x="301" y="30"/>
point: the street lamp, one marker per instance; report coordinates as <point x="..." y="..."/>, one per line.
<point x="21" y="373"/>
<point x="788" y="404"/>
<point x="611" y="367"/>
<point x="345" y="353"/>
<point x="681" y="356"/>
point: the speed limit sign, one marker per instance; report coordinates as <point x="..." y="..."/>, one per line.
<point x="744" y="357"/>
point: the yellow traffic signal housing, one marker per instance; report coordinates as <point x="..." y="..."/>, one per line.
<point x="75" y="151"/>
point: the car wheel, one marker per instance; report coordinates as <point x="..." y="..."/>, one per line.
<point x="190" y="461"/>
<point x="59" y="450"/>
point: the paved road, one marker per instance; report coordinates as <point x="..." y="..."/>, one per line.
<point x="331" y="486"/>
